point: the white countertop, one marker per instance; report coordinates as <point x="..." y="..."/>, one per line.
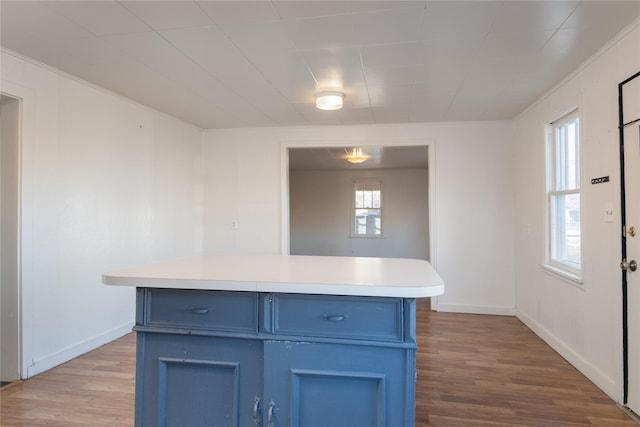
<point x="388" y="277"/>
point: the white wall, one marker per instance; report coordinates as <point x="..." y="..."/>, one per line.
<point x="583" y="323"/>
<point x="245" y="177"/>
<point x="107" y="183"/>
<point x="320" y="203"/>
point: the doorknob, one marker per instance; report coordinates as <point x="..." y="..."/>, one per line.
<point x="629" y="265"/>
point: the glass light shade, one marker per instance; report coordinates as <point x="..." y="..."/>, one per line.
<point x="357" y="156"/>
<point x="329" y="100"/>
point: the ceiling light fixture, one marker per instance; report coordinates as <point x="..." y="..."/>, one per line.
<point x="357" y="156"/>
<point x="329" y="100"/>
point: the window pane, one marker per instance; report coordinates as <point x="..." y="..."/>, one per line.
<point x="567" y="165"/>
<point x="359" y="199"/>
<point x="367" y="222"/>
<point x="375" y="196"/>
<point x="368" y="209"/>
<point x="565" y="229"/>
<point x="367" y="199"/>
<point x="367" y="196"/>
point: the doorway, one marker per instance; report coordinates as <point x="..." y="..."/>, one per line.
<point x="629" y="129"/>
<point x="10" y="333"/>
<point x="323" y="189"/>
<point x="415" y="224"/>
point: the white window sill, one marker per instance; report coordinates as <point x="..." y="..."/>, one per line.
<point x="566" y="276"/>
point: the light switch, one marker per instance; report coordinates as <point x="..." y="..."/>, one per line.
<point x="608" y="212"/>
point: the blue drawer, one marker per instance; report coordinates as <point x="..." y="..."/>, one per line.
<point x="350" y="317"/>
<point x="205" y="310"/>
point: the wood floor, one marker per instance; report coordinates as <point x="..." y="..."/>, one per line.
<point x="493" y="371"/>
<point x="472" y="371"/>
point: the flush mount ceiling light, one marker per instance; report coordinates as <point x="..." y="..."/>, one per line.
<point x="329" y="100"/>
<point x="357" y="156"/>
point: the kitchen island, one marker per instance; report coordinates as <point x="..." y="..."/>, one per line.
<point x="248" y="340"/>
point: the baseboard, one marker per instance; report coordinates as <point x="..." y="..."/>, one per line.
<point x="53" y="360"/>
<point x="476" y="309"/>
<point x="595" y="375"/>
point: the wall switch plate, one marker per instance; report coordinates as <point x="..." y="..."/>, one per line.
<point x="608" y="212"/>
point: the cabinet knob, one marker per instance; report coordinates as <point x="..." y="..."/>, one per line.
<point x="335" y="318"/>
<point x="196" y="310"/>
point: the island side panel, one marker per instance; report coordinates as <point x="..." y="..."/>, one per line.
<point x="178" y="366"/>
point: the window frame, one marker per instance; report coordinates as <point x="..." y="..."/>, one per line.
<point x="554" y="191"/>
<point x="353" y="230"/>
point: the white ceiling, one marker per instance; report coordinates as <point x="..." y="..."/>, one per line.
<point x="259" y="63"/>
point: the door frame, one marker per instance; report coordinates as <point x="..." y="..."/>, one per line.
<point x="623" y="216"/>
<point x="18" y="245"/>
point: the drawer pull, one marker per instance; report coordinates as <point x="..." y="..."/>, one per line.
<point x="256" y="410"/>
<point x="334" y="318"/>
<point x="195" y="310"/>
<point x="270" y="413"/>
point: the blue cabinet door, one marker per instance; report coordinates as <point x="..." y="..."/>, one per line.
<point x="190" y="381"/>
<point x="338" y="385"/>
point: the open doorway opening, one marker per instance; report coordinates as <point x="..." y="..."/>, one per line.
<point x="381" y="207"/>
<point x="376" y="208"/>
<point x="10" y="344"/>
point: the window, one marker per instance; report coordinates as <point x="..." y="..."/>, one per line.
<point x="563" y="195"/>
<point x="367" y="209"/>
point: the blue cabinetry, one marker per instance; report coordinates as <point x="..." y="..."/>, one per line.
<point x="194" y="381"/>
<point x="242" y="359"/>
<point x="319" y="384"/>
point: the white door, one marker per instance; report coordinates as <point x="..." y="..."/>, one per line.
<point x="632" y="184"/>
<point x="631" y="113"/>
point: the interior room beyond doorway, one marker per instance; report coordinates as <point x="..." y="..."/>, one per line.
<point x="323" y="211"/>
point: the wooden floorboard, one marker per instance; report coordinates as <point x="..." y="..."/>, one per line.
<point x="93" y="390"/>
<point x="473" y="371"/>
<point x="492" y="371"/>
